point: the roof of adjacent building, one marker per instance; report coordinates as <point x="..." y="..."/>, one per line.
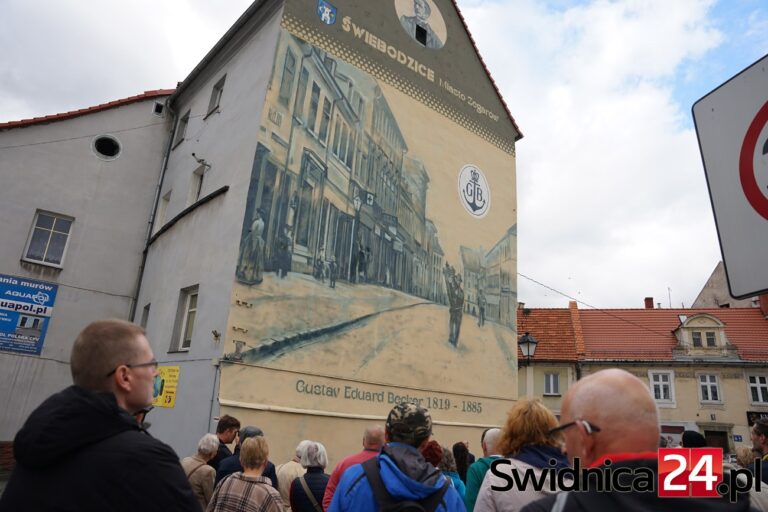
<point x="633" y="334"/>
<point x="554" y="331"/>
<point x="88" y="110"/>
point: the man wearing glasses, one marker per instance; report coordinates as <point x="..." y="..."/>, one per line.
<point x="611" y="415"/>
<point x="82" y="448"/>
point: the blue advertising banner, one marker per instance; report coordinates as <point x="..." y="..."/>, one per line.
<point x="25" y="310"/>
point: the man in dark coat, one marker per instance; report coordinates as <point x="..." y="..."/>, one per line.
<point x="226" y="431"/>
<point x="232" y="463"/>
<point x="82" y="449"/>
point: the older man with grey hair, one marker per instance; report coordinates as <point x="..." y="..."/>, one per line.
<point x="479" y="468"/>
<point x="611" y="416"/>
<point x="290" y="471"/>
<point x="200" y="475"/>
<point x="373" y="440"/>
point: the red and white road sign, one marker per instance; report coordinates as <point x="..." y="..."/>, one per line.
<point x="732" y="127"/>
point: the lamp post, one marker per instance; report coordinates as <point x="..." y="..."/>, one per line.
<point x="358" y="203"/>
<point x="527" y="344"/>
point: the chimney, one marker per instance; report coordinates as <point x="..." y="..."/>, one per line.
<point x="521" y="305"/>
<point x="649" y="303"/>
<point x="764" y="304"/>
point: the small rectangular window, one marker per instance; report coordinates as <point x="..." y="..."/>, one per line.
<point x="162" y="210"/>
<point x="711" y="339"/>
<point x="216" y="93"/>
<point x="48" y="239"/>
<point x="661" y="386"/>
<point x="325" y="121"/>
<point x="551" y="383"/>
<point x="186" y="316"/>
<point x="158" y="109"/>
<point x="314" y="105"/>
<point x="196" y="184"/>
<point x="181" y="128"/>
<point x="696" y="338"/>
<point x="145" y="316"/>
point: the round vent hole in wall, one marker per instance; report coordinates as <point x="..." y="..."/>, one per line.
<point x="106" y="147"/>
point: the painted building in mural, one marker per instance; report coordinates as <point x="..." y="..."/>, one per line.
<point x="324" y="174"/>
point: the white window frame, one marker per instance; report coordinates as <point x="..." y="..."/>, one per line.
<point x="216" y="93"/>
<point x="700" y="384"/>
<point x="705" y="342"/>
<point x="758" y="377"/>
<point x="184" y="342"/>
<point x="25" y="256"/>
<point x="162" y="211"/>
<point x="196" y="184"/>
<point x="662" y="402"/>
<point x="181" y="128"/>
<point x="552" y="381"/>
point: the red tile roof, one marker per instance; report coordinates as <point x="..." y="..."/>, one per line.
<point x="647" y="334"/>
<point x="88" y="110"/>
<point x="553" y="329"/>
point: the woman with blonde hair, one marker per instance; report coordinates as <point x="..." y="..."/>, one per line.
<point x="529" y="446"/>
<point x="248" y="490"/>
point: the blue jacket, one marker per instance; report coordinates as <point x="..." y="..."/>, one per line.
<point x="422" y="479"/>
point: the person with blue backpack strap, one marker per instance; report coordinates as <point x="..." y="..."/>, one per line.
<point x="398" y="479"/>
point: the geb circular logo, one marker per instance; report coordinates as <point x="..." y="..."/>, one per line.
<point x="474" y="191"/>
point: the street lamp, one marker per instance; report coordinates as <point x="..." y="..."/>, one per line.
<point x="527" y="344"/>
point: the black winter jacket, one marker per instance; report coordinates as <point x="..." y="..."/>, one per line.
<point x="79" y="451"/>
<point x="317" y="481"/>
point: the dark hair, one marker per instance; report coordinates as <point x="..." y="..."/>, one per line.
<point x="662" y="442"/>
<point x="461" y="454"/>
<point x="761" y="427"/>
<point x="227" y="422"/>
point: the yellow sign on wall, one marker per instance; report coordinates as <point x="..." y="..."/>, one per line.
<point x="164" y="392"/>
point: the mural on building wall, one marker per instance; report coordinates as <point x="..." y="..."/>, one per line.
<point x="370" y="247"/>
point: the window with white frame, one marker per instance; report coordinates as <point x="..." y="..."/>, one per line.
<point x="662" y="386"/>
<point x="162" y="210"/>
<point x="696" y="336"/>
<point x="758" y="388"/>
<point x="181" y="128"/>
<point x="48" y="239"/>
<point x="218" y="90"/>
<point x="709" y="388"/>
<point x="188" y="321"/>
<point x="711" y="340"/>
<point x="196" y="184"/>
<point x="551" y="383"/>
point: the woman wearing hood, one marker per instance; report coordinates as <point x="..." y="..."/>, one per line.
<point x="529" y="449"/>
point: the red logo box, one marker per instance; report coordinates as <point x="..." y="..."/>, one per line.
<point x="694" y="472"/>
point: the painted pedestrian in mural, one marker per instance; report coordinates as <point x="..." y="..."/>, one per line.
<point x="361" y="263"/>
<point x="332" y="272"/>
<point x="252" y="252"/>
<point x="455" y="303"/>
<point x="481" y="304"/>
<point x="284" y="252"/>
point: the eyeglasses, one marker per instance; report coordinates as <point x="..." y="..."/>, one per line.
<point x="589" y="427"/>
<point x="153" y="363"/>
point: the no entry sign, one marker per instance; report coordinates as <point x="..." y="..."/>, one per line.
<point x="732" y="127"/>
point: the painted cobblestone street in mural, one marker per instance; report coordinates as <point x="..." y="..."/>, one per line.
<point x="366" y="243"/>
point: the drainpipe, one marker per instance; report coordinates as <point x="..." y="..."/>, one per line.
<point x="134" y="302"/>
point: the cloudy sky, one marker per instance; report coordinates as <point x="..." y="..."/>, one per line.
<point x="613" y="204"/>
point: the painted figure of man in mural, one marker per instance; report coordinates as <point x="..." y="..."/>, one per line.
<point x="481" y="305"/>
<point x="252" y="255"/>
<point x="455" y="303"/>
<point x="333" y="269"/>
<point x="361" y="263"/>
<point x="411" y="24"/>
<point x="284" y="252"/>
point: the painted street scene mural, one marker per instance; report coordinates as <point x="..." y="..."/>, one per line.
<point x="366" y="245"/>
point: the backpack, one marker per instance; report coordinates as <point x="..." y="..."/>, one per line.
<point x="385" y="500"/>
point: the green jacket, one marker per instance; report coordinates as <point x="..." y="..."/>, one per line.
<point x="475" y="475"/>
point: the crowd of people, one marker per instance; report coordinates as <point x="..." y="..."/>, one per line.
<point x="88" y="449"/>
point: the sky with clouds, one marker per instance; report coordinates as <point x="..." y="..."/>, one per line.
<point x="612" y="199"/>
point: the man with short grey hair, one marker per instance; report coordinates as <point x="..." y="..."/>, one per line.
<point x="479" y="468"/>
<point x="82" y="449"/>
<point x="289" y="471"/>
<point x="373" y="440"/>
<point x="200" y="475"/>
